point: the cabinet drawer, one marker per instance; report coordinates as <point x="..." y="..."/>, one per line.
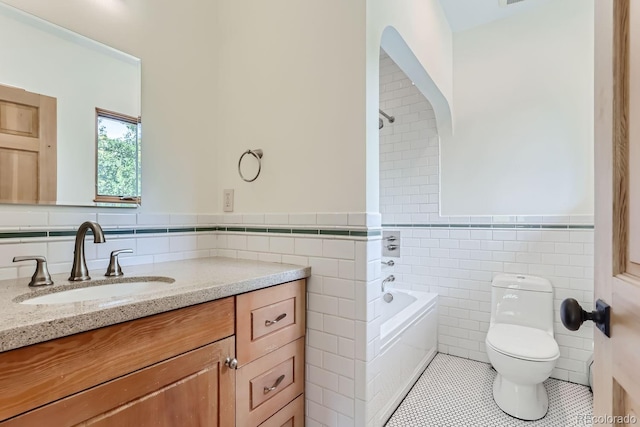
<point x="291" y="415"/>
<point x="266" y="385"/>
<point x="272" y="318"/>
<point x="269" y="318"/>
<point x="270" y="383"/>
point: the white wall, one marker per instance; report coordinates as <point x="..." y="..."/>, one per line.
<point x="179" y="79"/>
<point x="292" y="83"/>
<point x="523" y="97"/>
<point x="82" y="76"/>
<point x="297" y="80"/>
<point x="425" y="29"/>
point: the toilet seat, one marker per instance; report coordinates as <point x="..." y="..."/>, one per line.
<point x="522" y="342"/>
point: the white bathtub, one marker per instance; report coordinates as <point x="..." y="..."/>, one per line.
<point x="408" y="342"/>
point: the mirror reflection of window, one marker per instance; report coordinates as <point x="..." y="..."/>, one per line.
<point x="118" y="158"/>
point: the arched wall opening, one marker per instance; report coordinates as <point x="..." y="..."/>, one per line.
<point x="401" y="53"/>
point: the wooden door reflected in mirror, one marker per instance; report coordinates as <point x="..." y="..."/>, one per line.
<point x="28" y="146"/>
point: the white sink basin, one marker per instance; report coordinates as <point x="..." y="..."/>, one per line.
<point x="98" y="292"/>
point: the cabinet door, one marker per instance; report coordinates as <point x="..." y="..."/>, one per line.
<point x="193" y="389"/>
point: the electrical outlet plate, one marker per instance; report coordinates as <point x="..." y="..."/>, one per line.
<point x="227" y="200"/>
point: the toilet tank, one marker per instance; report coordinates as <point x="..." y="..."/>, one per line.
<point x="522" y="300"/>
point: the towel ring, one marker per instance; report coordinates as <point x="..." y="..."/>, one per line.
<point x="258" y="155"/>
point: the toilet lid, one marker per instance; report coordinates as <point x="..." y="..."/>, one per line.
<point x="522" y="342"/>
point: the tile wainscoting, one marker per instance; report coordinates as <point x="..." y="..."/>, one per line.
<point x="343" y="250"/>
<point x="455" y="257"/>
<point x="458" y="262"/>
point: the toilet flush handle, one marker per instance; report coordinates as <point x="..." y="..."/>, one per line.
<point x="572" y="315"/>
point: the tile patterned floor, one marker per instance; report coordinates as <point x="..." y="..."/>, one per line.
<point x="458" y="392"/>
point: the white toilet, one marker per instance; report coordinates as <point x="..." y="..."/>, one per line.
<point x="520" y="344"/>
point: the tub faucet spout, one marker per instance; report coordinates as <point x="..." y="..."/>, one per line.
<point x="79" y="271"/>
<point x="391" y="278"/>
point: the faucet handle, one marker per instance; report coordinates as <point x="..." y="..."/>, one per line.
<point x="41" y="277"/>
<point x="114" y="268"/>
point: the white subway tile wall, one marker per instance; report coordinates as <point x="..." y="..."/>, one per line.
<point x="147" y="248"/>
<point x="459" y="263"/>
<point x="335" y="306"/>
<point x="342" y="327"/>
<point x="63" y="219"/>
<point x="24" y="220"/>
<point x="184" y="219"/>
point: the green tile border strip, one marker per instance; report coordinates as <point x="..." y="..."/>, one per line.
<point x="334" y="232"/>
<point x="205" y="229"/>
<point x="151" y="230"/>
<point x="23" y="234"/>
<point x="118" y="231"/>
<point x="182" y="230"/>
<point x="279" y="230"/>
<point x="303" y="231"/>
<point x="520" y="227"/>
<point x="243" y="229"/>
<point x="62" y="233"/>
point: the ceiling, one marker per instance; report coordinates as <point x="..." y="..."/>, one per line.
<point x="466" y="14"/>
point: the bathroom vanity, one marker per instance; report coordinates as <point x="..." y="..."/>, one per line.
<point x="235" y="359"/>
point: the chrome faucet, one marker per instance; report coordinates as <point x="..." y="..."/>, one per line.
<point x="391" y="278"/>
<point x="79" y="271"/>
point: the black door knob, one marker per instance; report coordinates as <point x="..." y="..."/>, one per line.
<point x="573" y="316"/>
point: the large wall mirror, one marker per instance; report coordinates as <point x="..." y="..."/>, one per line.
<point x="67" y="104"/>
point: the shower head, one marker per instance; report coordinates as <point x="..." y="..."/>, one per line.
<point x="388" y="117"/>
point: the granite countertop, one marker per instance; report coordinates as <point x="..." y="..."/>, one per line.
<point x="196" y="281"/>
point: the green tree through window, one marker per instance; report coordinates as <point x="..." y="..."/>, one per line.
<point x="118" y="159"/>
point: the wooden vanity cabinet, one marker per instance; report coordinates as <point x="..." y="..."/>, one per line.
<point x="163" y="370"/>
<point x="193" y="389"/>
<point x="166" y="369"/>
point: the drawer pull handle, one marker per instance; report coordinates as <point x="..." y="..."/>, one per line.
<point x="273" y="322"/>
<point x="275" y="385"/>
